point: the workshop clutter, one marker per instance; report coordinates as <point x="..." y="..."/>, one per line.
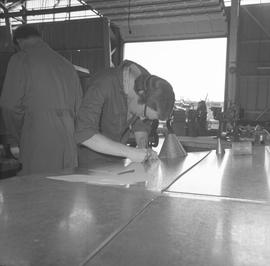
<point x="9" y="165"/>
<point x="179" y="124"/>
<point x="190" y="121"/>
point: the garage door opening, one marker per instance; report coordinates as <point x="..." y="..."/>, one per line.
<point x="195" y="68"/>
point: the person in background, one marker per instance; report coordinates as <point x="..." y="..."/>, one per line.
<point x="120" y="100"/>
<point x="40" y="99"/>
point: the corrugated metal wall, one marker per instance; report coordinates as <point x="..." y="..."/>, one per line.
<point x="254" y="95"/>
<point x="254" y="61"/>
<point x="84" y="42"/>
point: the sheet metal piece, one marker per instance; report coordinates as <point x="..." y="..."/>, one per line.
<point x="154" y="176"/>
<point x="47" y="222"/>
<point x="181" y="231"/>
<point x="234" y="176"/>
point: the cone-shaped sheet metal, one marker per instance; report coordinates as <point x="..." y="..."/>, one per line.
<point x="172" y="148"/>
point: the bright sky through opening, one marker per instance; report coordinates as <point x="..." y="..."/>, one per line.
<point x="195" y="68"/>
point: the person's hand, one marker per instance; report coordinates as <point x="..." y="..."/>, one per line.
<point x="142" y="155"/>
<point x="151" y="155"/>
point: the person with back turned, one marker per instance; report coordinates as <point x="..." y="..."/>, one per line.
<point x="40" y="99"/>
<point x="120" y="100"/>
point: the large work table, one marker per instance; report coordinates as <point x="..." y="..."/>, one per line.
<point x="202" y="209"/>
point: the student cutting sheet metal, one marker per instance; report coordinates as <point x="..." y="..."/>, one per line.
<point x="119" y="101"/>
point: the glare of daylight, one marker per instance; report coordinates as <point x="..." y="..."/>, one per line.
<point x="195" y="68"/>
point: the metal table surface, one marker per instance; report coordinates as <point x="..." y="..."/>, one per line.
<point x="205" y="231"/>
<point x="49" y="222"/>
<point x="44" y="221"/>
<point x="154" y="176"/>
<point x="242" y="177"/>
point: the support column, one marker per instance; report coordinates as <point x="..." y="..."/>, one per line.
<point x="232" y="54"/>
<point x="8" y="26"/>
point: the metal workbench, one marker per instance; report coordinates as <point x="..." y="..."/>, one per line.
<point x="202" y="209"/>
<point x="241" y="177"/>
<point x="48" y="221"/>
<point x="193" y="231"/>
<point x="216" y="214"/>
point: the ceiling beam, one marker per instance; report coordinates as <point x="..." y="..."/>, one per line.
<point x="160" y="4"/>
<point x="164" y="11"/>
<point x="91" y="8"/>
<point x="115" y="3"/>
<point x="165" y="14"/>
<point x="11" y="5"/>
<point x="45" y="11"/>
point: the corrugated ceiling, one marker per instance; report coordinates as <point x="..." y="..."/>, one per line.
<point x="146" y="20"/>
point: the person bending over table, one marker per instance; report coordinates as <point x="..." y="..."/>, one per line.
<point x="119" y="101"/>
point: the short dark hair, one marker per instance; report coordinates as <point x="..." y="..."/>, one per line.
<point x="23" y="32"/>
<point x="157" y="93"/>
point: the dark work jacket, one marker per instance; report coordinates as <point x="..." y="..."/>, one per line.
<point x="104" y="110"/>
<point x="40" y="99"/>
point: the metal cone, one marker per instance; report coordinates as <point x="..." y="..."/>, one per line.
<point x="172" y="148"/>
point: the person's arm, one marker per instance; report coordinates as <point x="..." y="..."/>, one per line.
<point x="102" y="144"/>
<point x="12" y="97"/>
<point x="87" y="129"/>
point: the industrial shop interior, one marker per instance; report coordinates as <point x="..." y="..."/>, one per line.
<point x="134" y="132"/>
